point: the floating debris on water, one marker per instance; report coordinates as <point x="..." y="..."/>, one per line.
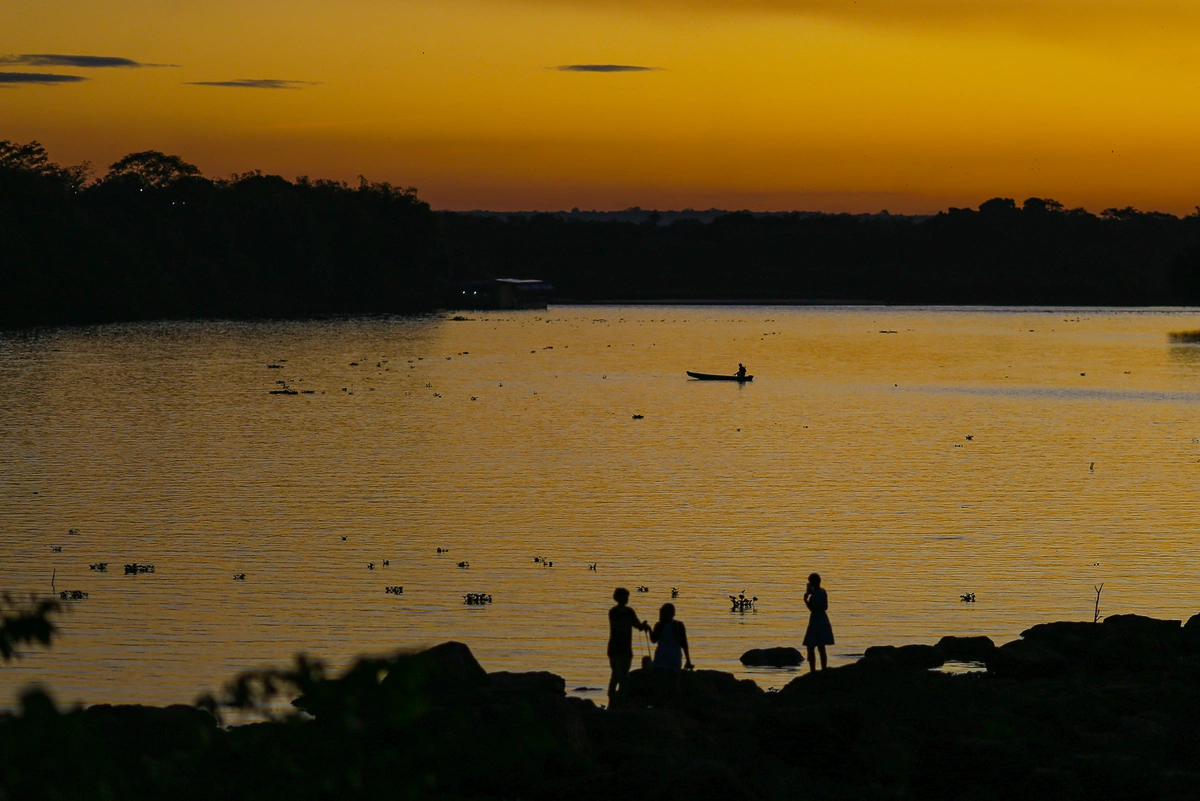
<point x="967" y="597"/>
<point x="464" y="564"/>
<point x="395" y="590"/>
<point x="72" y="595"/>
<point x="439" y="550"/>
<point x="239" y="576"/>
<point x="134" y="568"/>
<point x="55" y="549"/>
<point x="639" y="417"/>
<point x="674" y="592"/>
<point x="99" y="566"/>
<point x="591" y="565"/>
<point x="643" y="588"/>
<point x="477" y="598"/>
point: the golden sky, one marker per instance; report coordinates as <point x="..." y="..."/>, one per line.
<point x="835" y="105"/>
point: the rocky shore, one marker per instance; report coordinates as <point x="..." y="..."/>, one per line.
<point x="1070" y="710"/>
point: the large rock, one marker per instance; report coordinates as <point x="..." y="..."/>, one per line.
<point x="967" y="649"/>
<point x="772" y="657"/>
<point x="904" y="657"/>
<point x="539" y="684"/>
<point x="1189" y="635"/>
<point x="1026" y="659"/>
<point x="1133" y="651"/>
<point x="1070" y="639"/>
<point x="152" y="730"/>
<point x="957" y="766"/>
<point x="689" y="688"/>
<point x="399" y="687"/>
<point x="448" y="668"/>
<point x="1139" y="624"/>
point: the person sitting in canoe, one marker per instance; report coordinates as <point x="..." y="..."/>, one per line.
<point x="741" y="373"/>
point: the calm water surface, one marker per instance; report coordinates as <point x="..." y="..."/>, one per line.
<point x="509" y="436"/>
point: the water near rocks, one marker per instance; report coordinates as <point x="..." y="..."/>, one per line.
<point x="909" y="455"/>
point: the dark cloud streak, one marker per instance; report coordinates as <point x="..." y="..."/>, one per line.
<point x="64" y="60"/>
<point x="606" y="68"/>
<point x="255" y="83"/>
<point x="38" y="78"/>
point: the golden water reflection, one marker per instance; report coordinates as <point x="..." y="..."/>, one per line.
<point x="509" y="436"/>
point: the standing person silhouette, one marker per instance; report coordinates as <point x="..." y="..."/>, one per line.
<point x="622" y="620"/>
<point x="741" y="373"/>
<point x="819" y="633"/>
<point x="671" y="636"/>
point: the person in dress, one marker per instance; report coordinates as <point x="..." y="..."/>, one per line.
<point x="671" y="636"/>
<point x="819" y="633"/>
<point x="622" y="620"/>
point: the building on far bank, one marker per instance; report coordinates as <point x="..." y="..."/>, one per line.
<point x="500" y="293"/>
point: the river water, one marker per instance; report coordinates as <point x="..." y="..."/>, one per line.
<point x="909" y="455"/>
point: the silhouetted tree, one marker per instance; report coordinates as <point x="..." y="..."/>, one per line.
<point x="24" y="623"/>
<point x="998" y="205"/>
<point x="31" y="159"/>
<point x="1036" y="205"/>
<point x="152" y="168"/>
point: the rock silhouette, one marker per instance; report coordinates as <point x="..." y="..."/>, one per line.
<point x="772" y="657"/>
<point x="435" y="724"/>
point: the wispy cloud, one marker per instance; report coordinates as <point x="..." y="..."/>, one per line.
<point x="255" y="83"/>
<point x="63" y="60"/>
<point x="605" y="68"/>
<point x="38" y="77"/>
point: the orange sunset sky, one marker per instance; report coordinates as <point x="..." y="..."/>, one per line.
<point x="835" y="105"/>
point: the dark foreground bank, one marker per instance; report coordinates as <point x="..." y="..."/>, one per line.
<point x="152" y="238"/>
<point x="1071" y="710"/>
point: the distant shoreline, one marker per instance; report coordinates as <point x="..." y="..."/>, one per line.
<point x="719" y="302"/>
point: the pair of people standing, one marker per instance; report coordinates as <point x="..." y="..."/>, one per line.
<point x="670" y="635"/>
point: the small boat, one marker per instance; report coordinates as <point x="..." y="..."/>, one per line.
<point x="711" y="377"/>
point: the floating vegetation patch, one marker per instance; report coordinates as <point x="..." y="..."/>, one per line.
<point x="72" y="595"/>
<point x="135" y="568"/>
<point x="477" y="598"/>
<point x="741" y="603"/>
<point x="1185" y="336"/>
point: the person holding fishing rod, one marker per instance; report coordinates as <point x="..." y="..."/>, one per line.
<point x="622" y="620"/>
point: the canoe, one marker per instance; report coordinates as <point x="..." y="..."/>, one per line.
<point x="711" y="377"/>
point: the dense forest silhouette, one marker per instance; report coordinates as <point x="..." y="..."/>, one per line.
<point x="153" y="238"/>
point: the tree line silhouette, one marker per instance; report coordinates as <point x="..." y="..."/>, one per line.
<point x="153" y="238"/>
